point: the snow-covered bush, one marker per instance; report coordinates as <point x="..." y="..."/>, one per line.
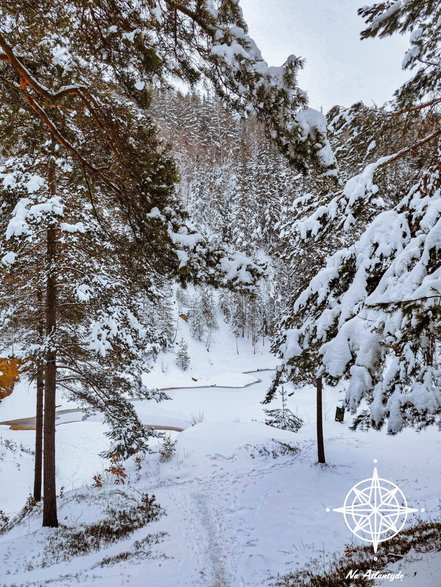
<point x="168" y="448"/>
<point x="283" y="417"/>
<point x="126" y="512"/>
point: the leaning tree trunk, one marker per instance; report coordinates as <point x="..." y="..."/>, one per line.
<point x="320" y="441"/>
<point x="50" y="384"/>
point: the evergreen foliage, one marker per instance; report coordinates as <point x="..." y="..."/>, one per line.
<point x="422" y="19"/>
<point x="182" y="356"/>
<point x="283" y="417"/>
<point x="90" y="215"/>
<point x="132" y="44"/>
<point x="102" y="341"/>
<point x="367" y="308"/>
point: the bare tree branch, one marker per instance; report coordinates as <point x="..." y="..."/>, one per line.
<point x="419" y="107"/>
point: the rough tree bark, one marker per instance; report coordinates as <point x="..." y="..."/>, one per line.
<point x="38" y="465"/>
<point x="50" y="384"/>
<point x="320" y="441"/>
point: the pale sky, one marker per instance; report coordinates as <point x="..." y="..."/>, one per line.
<point x="339" y="68"/>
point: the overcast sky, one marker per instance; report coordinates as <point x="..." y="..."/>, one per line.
<point x="339" y="69"/>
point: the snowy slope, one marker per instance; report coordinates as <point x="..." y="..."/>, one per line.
<point x="241" y="507"/>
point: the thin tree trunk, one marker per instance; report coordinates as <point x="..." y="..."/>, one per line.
<point x="208" y="340"/>
<point x="49" y="483"/>
<point x="320" y="441"/>
<point x="38" y="465"/>
<point x="176" y="330"/>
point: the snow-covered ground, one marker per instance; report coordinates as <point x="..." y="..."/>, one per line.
<point x="241" y="507"/>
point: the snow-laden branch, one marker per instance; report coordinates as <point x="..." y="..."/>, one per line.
<point x="338" y="212"/>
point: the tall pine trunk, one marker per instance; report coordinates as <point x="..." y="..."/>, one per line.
<point x="320" y="440"/>
<point x="38" y="465"/>
<point x="50" y="384"/>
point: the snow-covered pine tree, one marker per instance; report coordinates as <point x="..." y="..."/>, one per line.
<point x="182" y="300"/>
<point x="239" y="314"/>
<point x="163" y="316"/>
<point x="39" y="177"/>
<point x="182" y="356"/>
<point x="83" y="72"/>
<point x="283" y="417"/>
<point x="109" y="300"/>
<point x="99" y="305"/>
<point x="242" y="199"/>
<point x="196" y="318"/>
<point x="208" y="312"/>
<point x="272" y="188"/>
<point x="371" y="315"/>
<point x="9" y="312"/>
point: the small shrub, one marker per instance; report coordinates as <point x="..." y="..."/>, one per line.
<point x="117" y="470"/>
<point x="138" y="466"/>
<point x="167" y="449"/>
<point x="197" y="418"/>
<point x="278" y="449"/>
<point x="4" y="519"/>
<point x="424" y="537"/>
<point x="139" y="550"/>
<point x="283" y="417"/>
<point x="97" y="481"/>
<point x="29" y="506"/>
<point x="68" y="542"/>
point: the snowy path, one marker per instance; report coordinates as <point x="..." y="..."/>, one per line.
<point x="215" y="535"/>
<point x="237" y="517"/>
